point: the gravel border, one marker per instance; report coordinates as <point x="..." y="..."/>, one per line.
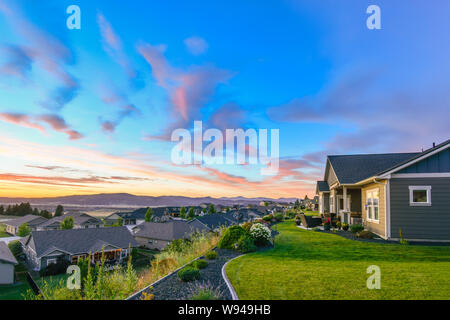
<point x="172" y="288"/>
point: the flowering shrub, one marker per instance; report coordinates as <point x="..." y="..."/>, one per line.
<point x="327" y="222"/>
<point x="261" y="234"/>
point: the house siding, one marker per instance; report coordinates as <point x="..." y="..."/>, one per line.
<point x="420" y="222"/>
<point x="155" y="244"/>
<point x="379" y="227"/>
<point x="6" y="273"/>
<point x="436" y="163"/>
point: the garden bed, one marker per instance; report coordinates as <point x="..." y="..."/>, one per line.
<point x="172" y="288"/>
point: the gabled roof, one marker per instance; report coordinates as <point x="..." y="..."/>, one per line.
<point x="5" y="254"/>
<point x="322" y="186"/>
<point x="30" y="219"/>
<point x="79" y="241"/>
<point x="79" y="218"/>
<point x="216" y="220"/>
<point x="172" y="230"/>
<point x="351" y="169"/>
<point x="421" y="155"/>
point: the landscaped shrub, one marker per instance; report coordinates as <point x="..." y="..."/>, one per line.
<point x="278" y="216"/>
<point x="355" y="228"/>
<point x="204" y="291"/>
<point x="327" y="224"/>
<point x="178" y="245"/>
<point x="298" y="220"/>
<point x="246" y="244"/>
<point x="211" y="255"/>
<point x="261" y="234"/>
<point x="268" y="217"/>
<point x="199" y="264"/>
<point x="365" y="235"/>
<point x="188" y="274"/>
<point x="345" y="226"/>
<point x="247" y="225"/>
<point x="15" y="247"/>
<point x="230" y="237"/>
<point x="338" y="225"/>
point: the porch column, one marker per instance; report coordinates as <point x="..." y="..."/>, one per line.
<point x="345" y="199"/>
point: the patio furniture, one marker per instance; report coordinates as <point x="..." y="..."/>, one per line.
<point x="310" y="222"/>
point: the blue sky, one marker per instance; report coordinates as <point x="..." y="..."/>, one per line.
<point x="91" y="110"/>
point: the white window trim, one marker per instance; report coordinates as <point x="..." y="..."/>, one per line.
<point x="52" y="260"/>
<point x="367" y="211"/>
<point x="419" y="204"/>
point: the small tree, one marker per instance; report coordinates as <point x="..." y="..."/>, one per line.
<point x="67" y="223"/>
<point x="23" y="230"/>
<point x="211" y="209"/>
<point x="59" y="210"/>
<point x="120" y="222"/>
<point x="2" y="210"/>
<point x="149" y="215"/>
<point x="46" y="214"/>
<point x="191" y="213"/>
<point x="183" y="212"/>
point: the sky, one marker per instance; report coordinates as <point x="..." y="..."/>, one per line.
<point x="92" y="110"/>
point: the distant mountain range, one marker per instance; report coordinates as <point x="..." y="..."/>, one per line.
<point x="129" y="200"/>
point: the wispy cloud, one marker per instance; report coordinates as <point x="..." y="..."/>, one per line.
<point x="44" y="50"/>
<point x="196" y="45"/>
<point x="56" y="122"/>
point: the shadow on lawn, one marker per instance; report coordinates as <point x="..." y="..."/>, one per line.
<point x="297" y="244"/>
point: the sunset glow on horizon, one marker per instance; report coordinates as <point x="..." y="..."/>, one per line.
<point x="92" y="110"/>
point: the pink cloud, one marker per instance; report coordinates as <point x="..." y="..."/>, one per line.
<point x="56" y="122"/>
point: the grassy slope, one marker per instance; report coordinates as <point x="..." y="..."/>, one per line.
<point x="313" y="265"/>
<point x="3" y="233"/>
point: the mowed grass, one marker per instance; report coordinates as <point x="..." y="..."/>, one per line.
<point x="313" y="265"/>
<point x="3" y="233"/>
<point x="17" y="290"/>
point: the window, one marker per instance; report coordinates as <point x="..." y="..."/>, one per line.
<point x="124" y="253"/>
<point x="50" y="261"/>
<point x="372" y="205"/>
<point x="420" y="195"/>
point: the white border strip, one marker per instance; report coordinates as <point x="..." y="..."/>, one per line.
<point x="234" y="295"/>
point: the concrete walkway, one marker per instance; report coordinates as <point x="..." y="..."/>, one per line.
<point x="9" y="239"/>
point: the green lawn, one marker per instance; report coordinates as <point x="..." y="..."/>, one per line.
<point x="14" y="292"/>
<point x="3" y="233"/>
<point x="313" y="265"/>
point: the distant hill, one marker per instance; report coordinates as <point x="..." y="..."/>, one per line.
<point x="126" y="199"/>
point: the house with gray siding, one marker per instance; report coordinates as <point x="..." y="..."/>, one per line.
<point x="43" y="248"/>
<point x="391" y="193"/>
<point x="7" y="263"/>
<point x="33" y="222"/>
<point x="80" y="221"/>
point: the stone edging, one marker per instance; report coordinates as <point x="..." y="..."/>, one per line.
<point x="137" y="294"/>
<point x="234" y="295"/>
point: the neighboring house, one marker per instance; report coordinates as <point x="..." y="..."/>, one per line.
<point x="7" y="263"/>
<point x="391" y="192"/>
<point x="12" y="226"/>
<point x="45" y="247"/>
<point x="154" y="235"/>
<point x="216" y="220"/>
<point x="81" y="221"/>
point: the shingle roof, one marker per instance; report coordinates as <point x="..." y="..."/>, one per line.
<point x="30" y="219"/>
<point x="78" y="219"/>
<point x="323" y="186"/>
<point x="418" y="155"/>
<point x="175" y="229"/>
<point x="354" y="168"/>
<point x="76" y="241"/>
<point x="5" y="254"/>
<point x="215" y="220"/>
